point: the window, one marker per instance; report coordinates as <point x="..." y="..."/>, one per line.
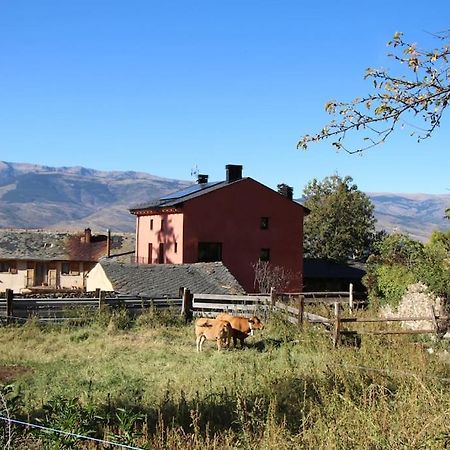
<point x="175" y="247"/>
<point x="264" y="255"/>
<point x="8" y="266"/>
<point x="151" y="224"/>
<point x="161" y="253"/>
<point x="264" y="224"/>
<point x="162" y="224"/>
<point x="74" y="268"/>
<point x="150" y="253"/>
<point x="70" y="268"/>
<point x="209" y="251"/>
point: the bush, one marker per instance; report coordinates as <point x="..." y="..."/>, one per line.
<point x="399" y="261"/>
<point x="155" y="318"/>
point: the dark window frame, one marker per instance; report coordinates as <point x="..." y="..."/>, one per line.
<point x="264" y="223"/>
<point x="209" y="251"/>
<point x="264" y="254"/>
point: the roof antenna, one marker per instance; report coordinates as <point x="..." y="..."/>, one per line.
<point x="194" y="172"/>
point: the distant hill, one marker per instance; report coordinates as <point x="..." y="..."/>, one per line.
<point x="415" y="214"/>
<point x="73" y="198"/>
<point x="68" y="198"/>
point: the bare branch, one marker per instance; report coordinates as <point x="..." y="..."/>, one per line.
<point x="425" y="94"/>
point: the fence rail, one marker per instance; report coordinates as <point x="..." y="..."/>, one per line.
<point x="16" y="308"/>
<point x="210" y="304"/>
<point x="296" y="314"/>
<point x="46" y="310"/>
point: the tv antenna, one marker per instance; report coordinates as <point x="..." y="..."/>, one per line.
<point x="194" y="172"/>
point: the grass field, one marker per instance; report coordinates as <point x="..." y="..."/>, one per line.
<point x="143" y="384"/>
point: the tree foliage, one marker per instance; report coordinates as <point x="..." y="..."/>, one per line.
<point x="400" y="261"/>
<point x="341" y="224"/>
<point x="420" y="90"/>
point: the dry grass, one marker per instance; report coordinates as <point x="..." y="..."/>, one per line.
<point x="286" y="390"/>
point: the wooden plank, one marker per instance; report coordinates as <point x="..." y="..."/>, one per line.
<point x="318" y="293"/>
<point x="383" y="319"/>
<point x="234" y="298"/>
<point x="315" y="318"/>
<point x="397" y="332"/>
<point x="337" y="325"/>
<point x="27" y="304"/>
<point x="287" y="308"/>
<point x="225" y="305"/>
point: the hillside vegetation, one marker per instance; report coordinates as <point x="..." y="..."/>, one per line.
<point x="33" y="196"/>
<point x="72" y="198"/>
<point x="143" y="384"/>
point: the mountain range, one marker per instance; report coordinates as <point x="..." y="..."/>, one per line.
<point x="73" y="198"/>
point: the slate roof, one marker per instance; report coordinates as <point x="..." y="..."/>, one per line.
<point x="179" y="197"/>
<point x="161" y="280"/>
<point x="175" y="198"/>
<point x="322" y="268"/>
<point x="40" y="245"/>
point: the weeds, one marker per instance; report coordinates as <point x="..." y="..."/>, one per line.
<point x="143" y="384"/>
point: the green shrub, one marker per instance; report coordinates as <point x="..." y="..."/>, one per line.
<point x="155" y="318"/>
<point x="392" y="283"/>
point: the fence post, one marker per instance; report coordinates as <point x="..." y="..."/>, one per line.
<point x="350" y="298"/>
<point x="301" y="309"/>
<point x="186" y="306"/>
<point x="272" y="297"/>
<point x="434" y="320"/>
<point x="9" y="305"/>
<point x="337" y="324"/>
<point x="101" y="297"/>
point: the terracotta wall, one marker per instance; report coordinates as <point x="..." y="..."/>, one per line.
<point x="232" y="215"/>
<point x="170" y="235"/>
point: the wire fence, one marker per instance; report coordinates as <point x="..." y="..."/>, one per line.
<point x="10" y="421"/>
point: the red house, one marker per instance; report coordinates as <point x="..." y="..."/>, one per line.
<point x="238" y="221"/>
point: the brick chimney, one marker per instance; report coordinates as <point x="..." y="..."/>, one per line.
<point x="286" y="191"/>
<point x="233" y="172"/>
<point x="87" y="235"/>
<point x="108" y="243"/>
<point x="202" y="179"/>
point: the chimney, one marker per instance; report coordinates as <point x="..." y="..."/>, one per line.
<point x="233" y="172"/>
<point x="202" y="179"/>
<point x="87" y="235"/>
<point x="108" y="242"/>
<point x="286" y="191"/>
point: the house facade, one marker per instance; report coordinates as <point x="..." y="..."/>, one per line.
<point x="47" y="260"/>
<point x="238" y="221"/>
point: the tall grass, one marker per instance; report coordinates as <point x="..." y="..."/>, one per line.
<point x="142" y="383"/>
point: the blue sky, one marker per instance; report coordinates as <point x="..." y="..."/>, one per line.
<point x="164" y="86"/>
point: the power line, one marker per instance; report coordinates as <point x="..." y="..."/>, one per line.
<point x="66" y="433"/>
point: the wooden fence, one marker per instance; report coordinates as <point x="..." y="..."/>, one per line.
<point x="207" y="305"/>
<point x="296" y="314"/>
<point x="16" y="308"/>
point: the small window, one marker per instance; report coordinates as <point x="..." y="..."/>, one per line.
<point x="264" y="224"/>
<point x="151" y="224"/>
<point x="264" y="254"/>
<point x="162" y="224"/>
<point x="175" y="247"/>
<point x="70" y="268"/>
<point x="209" y="251"/>
<point x="8" y="266"/>
<point x="150" y="253"/>
<point x="161" y="255"/>
<point x="74" y="268"/>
